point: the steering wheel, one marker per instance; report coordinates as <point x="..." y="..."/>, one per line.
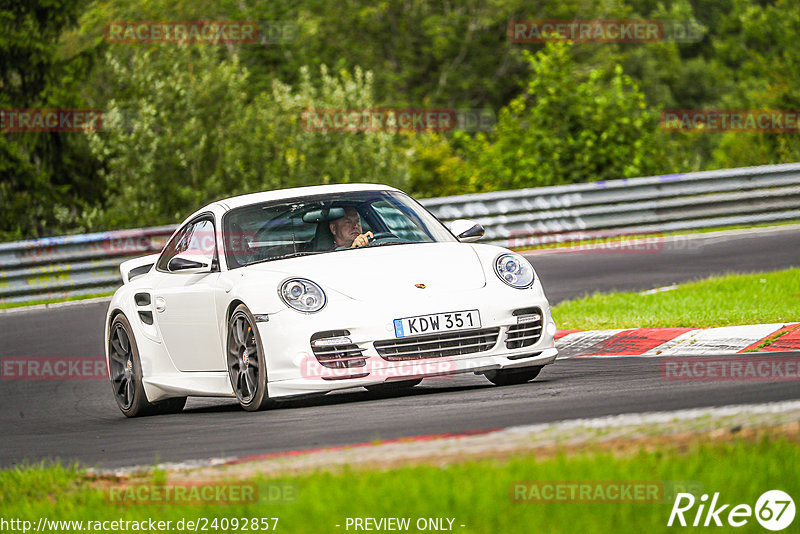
<point x="382" y="235"/>
<point x="381" y="238"/>
<point x="385" y="237"/>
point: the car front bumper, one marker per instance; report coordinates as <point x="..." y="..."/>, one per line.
<point x="294" y="369"/>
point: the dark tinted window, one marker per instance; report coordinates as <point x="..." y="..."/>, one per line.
<point x="276" y="230"/>
<point x="195" y="237"/>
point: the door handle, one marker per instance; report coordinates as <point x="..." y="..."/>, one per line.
<point x="161" y="304"/>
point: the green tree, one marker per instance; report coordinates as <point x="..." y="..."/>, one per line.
<point x="46" y="177"/>
<point x="762" y="53"/>
<point x="567" y="127"/>
<point x="187" y="133"/>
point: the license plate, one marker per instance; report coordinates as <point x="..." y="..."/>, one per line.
<point x="437" y="322"/>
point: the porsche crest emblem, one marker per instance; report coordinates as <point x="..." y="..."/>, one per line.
<point x="420" y="286"/>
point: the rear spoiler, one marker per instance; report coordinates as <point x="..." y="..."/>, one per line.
<point x="136" y="267"/>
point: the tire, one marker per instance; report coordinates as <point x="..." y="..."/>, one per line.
<point x="126" y="374"/>
<point x="511" y="377"/>
<point x="247" y="366"/>
<point x="399" y="385"/>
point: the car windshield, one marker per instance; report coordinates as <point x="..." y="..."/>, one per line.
<point x="303" y="226"/>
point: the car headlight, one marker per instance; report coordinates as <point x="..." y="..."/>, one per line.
<point x="514" y="270"/>
<point x="302" y="295"/>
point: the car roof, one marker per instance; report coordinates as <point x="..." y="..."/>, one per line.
<point x="298" y="192"/>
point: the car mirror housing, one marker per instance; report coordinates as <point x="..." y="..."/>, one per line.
<point x="191" y="261"/>
<point x="466" y="230"/>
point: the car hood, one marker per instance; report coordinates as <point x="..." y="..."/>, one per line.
<point x="378" y="272"/>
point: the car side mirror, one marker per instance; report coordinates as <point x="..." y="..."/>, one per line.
<point x="466" y="230"/>
<point x="191" y="261"/>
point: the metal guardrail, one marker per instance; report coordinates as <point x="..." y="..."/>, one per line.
<point x="58" y="267"/>
<point x="89" y="263"/>
<point x="524" y="217"/>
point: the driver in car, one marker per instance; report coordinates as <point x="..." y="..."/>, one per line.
<point x="347" y="230"/>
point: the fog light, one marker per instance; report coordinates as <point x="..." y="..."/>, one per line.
<point x="531" y="318"/>
<point x="331" y="342"/>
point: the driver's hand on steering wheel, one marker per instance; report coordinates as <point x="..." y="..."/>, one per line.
<point x="362" y="240"/>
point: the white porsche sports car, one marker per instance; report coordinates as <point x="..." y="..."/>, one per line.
<point x="309" y="290"/>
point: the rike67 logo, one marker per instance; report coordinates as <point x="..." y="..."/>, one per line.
<point x="774" y="510"/>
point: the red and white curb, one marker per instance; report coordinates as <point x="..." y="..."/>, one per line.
<point x="678" y="341"/>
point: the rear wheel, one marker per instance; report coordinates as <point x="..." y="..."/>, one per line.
<point x="247" y="367"/>
<point x="510" y="377"/>
<point x="126" y="374"/>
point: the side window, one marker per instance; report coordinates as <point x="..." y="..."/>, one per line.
<point x="399" y="223"/>
<point x="197" y="236"/>
<point x="203" y="238"/>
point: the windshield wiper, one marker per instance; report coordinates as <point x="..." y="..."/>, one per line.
<point x="290" y="255"/>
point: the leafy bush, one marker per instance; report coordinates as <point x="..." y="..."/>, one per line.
<point x="567" y="128"/>
<point x="185" y="133"/>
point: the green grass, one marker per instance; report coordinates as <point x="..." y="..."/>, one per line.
<point x="475" y="493"/>
<point x="733" y="299"/>
<point x="7" y="305"/>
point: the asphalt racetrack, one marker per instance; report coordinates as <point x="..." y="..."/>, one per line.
<point x="79" y="420"/>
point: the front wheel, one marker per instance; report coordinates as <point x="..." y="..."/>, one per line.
<point x="510" y="377"/>
<point x="247" y="367"/>
<point x="126" y="374"/>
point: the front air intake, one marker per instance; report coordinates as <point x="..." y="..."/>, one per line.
<point x="442" y="345"/>
<point x="335" y="350"/>
<point x="528" y="329"/>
